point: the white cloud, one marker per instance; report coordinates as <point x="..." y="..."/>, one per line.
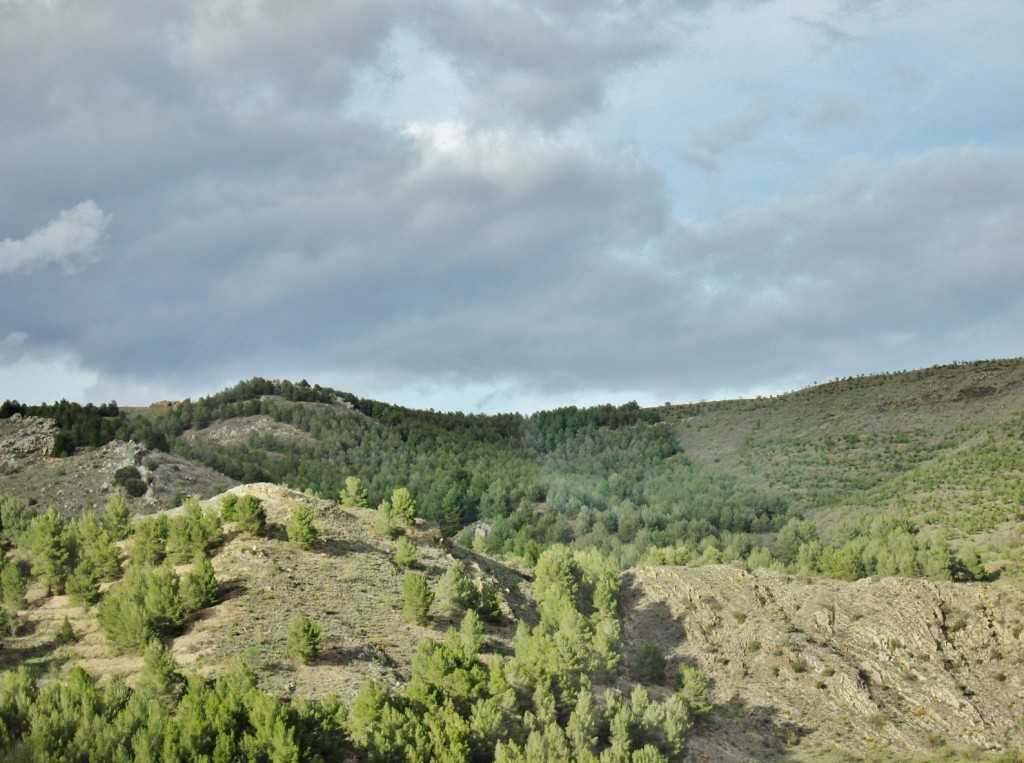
<point x="72" y="237"/>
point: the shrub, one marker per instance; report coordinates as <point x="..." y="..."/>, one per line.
<point x="354" y="493"/>
<point x="144" y="605"/>
<point x="13" y="585"/>
<point x="649" y="665"/>
<point x="417" y="596"/>
<point x="455" y="591"/>
<point x="304" y="639"/>
<point x="405" y="552"/>
<point x="126" y="473"/>
<point x="199" y="587"/>
<point x="65" y="633"/>
<point x="249" y="515"/>
<point x="301" y="530"/>
<point x="403" y="506"/>
<point x="117" y="517"/>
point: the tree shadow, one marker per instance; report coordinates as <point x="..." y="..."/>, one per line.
<point x="343" y="655"/>
<point x="231" y="589"/>
<point x="339" y="547"/>
<point x="747" y="731"/>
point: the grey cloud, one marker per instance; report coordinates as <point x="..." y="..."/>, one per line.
<point x="261" y="229"/>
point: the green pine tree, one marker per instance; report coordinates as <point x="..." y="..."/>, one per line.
<point x="417" y="596"/>
<point x="13" y="585"/>
<point x="301" y="530"/>
<point x="354" y="494"/>
<point x="304" y="639"/>
<point x="405" y="552"/>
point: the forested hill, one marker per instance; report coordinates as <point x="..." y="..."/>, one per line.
<point x="843" y="468"/>
<point x="608" y="475"/>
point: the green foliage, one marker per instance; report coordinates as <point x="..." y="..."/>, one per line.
<point x="12" y="584"/>
<point x="117" y="517"/>
<point x="418" y="597"/>
<point x="83" y="584"/>
<point x="471" y="634"/>
<point x="9" y="622"/>
<point x="97" y="551"/>
<point x="199" y="587"/>
<point x="15" y="518"/>
<point x="51" y="550"/>
<point x="149" y="540"/>
<point x="489" y="604"/>
<point x="354" y="494"/>
<point x="192" y="534"/>
<point x="455" y="592"/>
<point x="143" y="606"/>
<point x="301" y="530"/>
<point x="384" y="525"/>
<point x="693" y="690"/>
<point x="163" y="719"/>
<point x="405" y="552"/>
<point x="247" y="513"/>
<point x="649" y="663"/>
<point x="158" y="678"/>
<point x="403" y="507"/>
<point x="65" y="633"/>
<point x="303" y="639"/>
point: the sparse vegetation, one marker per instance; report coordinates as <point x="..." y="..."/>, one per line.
<point x="418" y="596"/>
<point x="304" y="639"/>
<point x="846" y="481"/>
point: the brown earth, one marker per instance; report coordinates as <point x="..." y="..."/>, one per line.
<point x="806" y="668"/>
<point x="85" y="480"/>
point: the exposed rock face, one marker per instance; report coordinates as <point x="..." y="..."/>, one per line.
<point x="24" y="438"/>
<point x="86" y="479"/>
<point x="812" y="665"/>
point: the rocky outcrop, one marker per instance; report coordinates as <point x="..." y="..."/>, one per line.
<point x="897" y="664"/>
<point x="24" y="439"/>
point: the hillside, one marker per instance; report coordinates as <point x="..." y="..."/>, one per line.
<point x="347" y="581"/>
<point x="86" y="478"/>
<point x="842" y="565"/>
<point x="807" y="667"/>
<point x="799" y="668"/>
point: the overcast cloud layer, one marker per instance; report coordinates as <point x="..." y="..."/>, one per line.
<point x="505" y="205"/>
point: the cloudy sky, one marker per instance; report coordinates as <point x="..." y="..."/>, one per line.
<point x="501" y="204"/>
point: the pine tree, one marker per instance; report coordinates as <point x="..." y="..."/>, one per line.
<point x="65" y="633"/>
<point x="149" y="541"/>
<point x="405" y="552"/>
<point x="83" y="584"/>
<point x="13" y="585"/>
<point x="304" y="639"/>
<point x="51" y="557"/>
<point x="158" y="678"/>
<point x="417" y="596"/>
<point x="199" y="587"/>
<point x="455" y="591"/>
<point x="403" y="506"/>
<point x="471" y="633"/>
<point x="117" y="517"/>
<point x="250" y="516"/>
<point x="354" y="494"/>
<point x="301" y="530"/>
<point x="489" y="603"/>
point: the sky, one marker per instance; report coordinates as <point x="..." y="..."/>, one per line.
<point x="492" y="205"/>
